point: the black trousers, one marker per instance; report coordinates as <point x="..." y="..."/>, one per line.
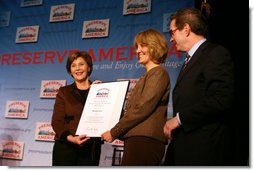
<point x="142" y="151"/>
<point x="68" y="154"/>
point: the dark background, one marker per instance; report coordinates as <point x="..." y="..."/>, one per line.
<point x="228" y="26"/>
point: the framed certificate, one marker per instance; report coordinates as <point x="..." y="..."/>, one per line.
<point x="103" y="108"/>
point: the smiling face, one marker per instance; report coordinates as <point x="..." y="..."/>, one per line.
<point x="143" y="54"/>
<point x="79" y="69"/>
<point x="151" y="48"/>
<point x="177" y="37"/>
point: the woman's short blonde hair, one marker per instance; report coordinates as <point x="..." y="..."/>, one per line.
<point x="156" y="42"/>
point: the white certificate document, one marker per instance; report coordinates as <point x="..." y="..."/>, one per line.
<point x="103" y="108"/>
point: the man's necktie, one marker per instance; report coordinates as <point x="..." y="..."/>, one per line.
<point x="186" y="60"/>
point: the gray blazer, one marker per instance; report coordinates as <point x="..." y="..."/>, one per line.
<point x="146" y="110"/>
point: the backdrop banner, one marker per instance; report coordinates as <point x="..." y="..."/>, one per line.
<point x="36" y="38"/>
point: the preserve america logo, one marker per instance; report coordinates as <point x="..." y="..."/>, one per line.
<point x="103" y="92"/>
<point x="16" y="109"/>
<point x="49" y="88"/>
<point x="27" y="34"/>
<point x="27" y="3"/>
<point x="12" y="149"/>
<point x="5" y="18"/>
<point x="136" y="6"/>
<point x="63" y="12"/>
<point x="95" y="28"/>
<point x="44" y="131"/>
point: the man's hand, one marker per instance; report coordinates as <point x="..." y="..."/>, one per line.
<point x="169" y="126"/>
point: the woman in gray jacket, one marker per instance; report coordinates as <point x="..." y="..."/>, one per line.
<point x="146" y="112"/>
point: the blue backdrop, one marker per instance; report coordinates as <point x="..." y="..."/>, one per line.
<point x="24" y="65"/>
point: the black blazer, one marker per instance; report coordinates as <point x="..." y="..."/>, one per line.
<point x="203" y="96"/>
<point x="68" y="108"/>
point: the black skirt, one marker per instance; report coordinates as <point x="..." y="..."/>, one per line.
<point x="69" y="154"/>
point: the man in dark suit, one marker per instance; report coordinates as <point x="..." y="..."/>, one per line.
<point x="199" y="131"/>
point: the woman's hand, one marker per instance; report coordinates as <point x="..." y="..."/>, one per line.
<point x="79" y="140"/>
<point x="107" y="136"/>
<point x="97" y="82"/>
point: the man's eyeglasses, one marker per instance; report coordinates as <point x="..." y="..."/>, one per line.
<point x="172" y="32"/>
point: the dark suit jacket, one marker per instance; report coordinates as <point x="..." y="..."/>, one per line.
<point x="67" y="111"/>
<point x="203" y="96"/>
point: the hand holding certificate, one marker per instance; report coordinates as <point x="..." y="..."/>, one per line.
<point x="103" y="108"/>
